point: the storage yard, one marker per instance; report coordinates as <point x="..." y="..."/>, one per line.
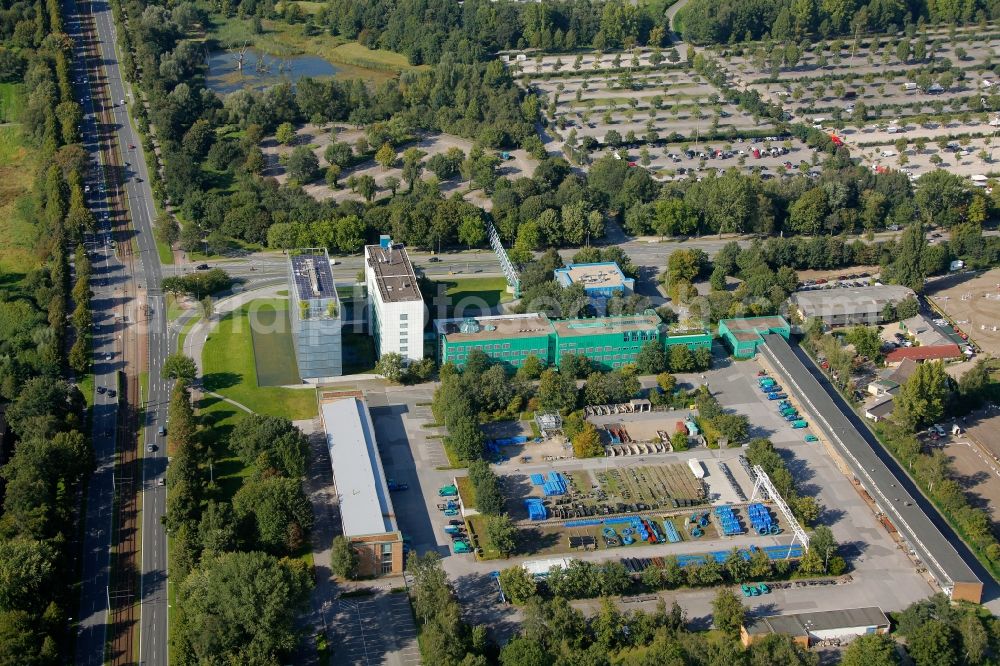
<point x="648" y="504"/>
<point x="882" y="570"/>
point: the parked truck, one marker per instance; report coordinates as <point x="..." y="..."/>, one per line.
<point x="777" y="396"/>
<point x="697" y="468"/>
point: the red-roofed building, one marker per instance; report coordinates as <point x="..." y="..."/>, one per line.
<point x="928" y="353"/>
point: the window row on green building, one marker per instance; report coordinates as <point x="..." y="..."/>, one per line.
<point x="513" y="352"/>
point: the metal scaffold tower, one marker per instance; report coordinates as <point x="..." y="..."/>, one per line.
<point x="508" y="268"/>
<point x="764" y="488"/>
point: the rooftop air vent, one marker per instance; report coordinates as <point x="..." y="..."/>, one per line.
<point x="469" y="325"/>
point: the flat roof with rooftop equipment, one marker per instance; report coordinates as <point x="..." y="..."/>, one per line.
<point x="575" y="327"/>
<point x="603" y="277"/>
<point x="312" y="276"/>
<point x="483" y="328"/>
<point x="945" y="557"/>
<point x="394" y="274"/>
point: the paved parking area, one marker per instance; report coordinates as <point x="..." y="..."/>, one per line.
<point x="361" y="625"/>
<point x="413" y="453"/>
<point x="734" y="383"/>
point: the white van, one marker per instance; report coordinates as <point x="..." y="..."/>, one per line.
<point x="909" y="86"/>
<point x="892" y="129"/>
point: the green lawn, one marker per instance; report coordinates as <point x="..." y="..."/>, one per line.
<point x="229" y="370"/>
<point x="17" y="211"/>
<point x="86" y="386"/>
<point x="273" y="350"/>
<point x="182" y="336"/>
<point x="477" y="524"/>
<point x="164" y="252"/>
<point x="359" y="55"/>
<point x="471" y="296"/>
<point x="10" y="96"/>
<point x="174" y="310"/>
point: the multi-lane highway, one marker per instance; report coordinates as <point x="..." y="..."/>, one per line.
<point x="128" y="305"/>
<point x="107" y="271"/>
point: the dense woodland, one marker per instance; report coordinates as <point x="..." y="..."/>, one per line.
<point x="425" y="31"/>
<point x="51" y="457"/>
<point x="235" y="544"/>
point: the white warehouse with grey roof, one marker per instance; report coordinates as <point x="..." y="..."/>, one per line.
<point x="846" y="306"/>
<point x="366" y="514"/>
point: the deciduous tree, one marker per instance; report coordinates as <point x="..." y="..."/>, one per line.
<point x="343" y="558"/>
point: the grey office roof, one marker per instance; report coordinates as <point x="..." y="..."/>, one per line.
<point x="801" y="624"/>
<point x="394" y="274"/>
<point x="755" y="324"/>
<point x="596" y="275"/>
<point x="530" y="325"/>
<point x="365" y="506"/>
<point x="858" y="444"/>
<point x="830" y="302"/>
<point x="312" y="276"/>
<point x="568" y="328"/>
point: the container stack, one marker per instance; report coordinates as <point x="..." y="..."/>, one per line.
<point x="728" y="522"/>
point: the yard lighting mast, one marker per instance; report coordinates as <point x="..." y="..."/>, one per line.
<point x="763" y="483"/>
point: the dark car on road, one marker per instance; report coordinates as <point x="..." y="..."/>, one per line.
<point x="202" y="267"/>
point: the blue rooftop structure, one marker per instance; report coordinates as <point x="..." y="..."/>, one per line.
<point x="600" y="280"/>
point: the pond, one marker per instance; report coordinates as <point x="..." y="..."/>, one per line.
<point x="261" y="70"/>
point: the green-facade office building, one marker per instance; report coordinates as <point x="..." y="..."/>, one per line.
<point x="609" y="342"/>
<point x="744" y="334"/>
